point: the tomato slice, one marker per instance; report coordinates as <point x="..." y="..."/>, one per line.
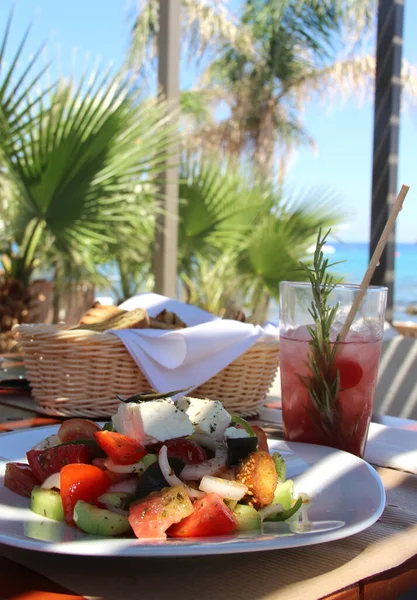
<point x="120" y="448"/>
<point x="46" y="462"/>
<point x="210" y="517"/>
<point x="152" y="516"/>
<point x="186" y="450"/>
<point x="19" y="478"/>
<point x="77" y="429"/>
<point x="350" y="372"/>
<point x="81" y="482"/>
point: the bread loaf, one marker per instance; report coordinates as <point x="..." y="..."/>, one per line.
<point x="123" y="319"/>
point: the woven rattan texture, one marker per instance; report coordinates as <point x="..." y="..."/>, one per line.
<point x="78" y="373"/>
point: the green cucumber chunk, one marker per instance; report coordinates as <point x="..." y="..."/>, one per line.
<point x="284" y="494"/>
<point x="47" y="503"/>
<point x="280" y="467"/>
<point x="148" y="460"/>
<point x="248" y="518"/>
<point x="230" y="504"/>
<point x="99" y="521"/>
<point x="117" y="499"/>
<point x="286" y="514"/>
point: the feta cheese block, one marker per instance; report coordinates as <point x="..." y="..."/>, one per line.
<point x="208" y="416"/>
<point x="150" y="422"/>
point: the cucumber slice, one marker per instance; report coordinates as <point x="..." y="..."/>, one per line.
<point x="149" y="459"/>
<point x="284" y="494"/>
<point x="280" y="467"/>
<point x="286" y="514"/>
<point x="247" y="517"/>
<point x="99" y="521"/>
<point x="46" y="530"/>
<point x="47" y="503"/>
<point x="117" y="499"/>
<point x="230" y="504"/>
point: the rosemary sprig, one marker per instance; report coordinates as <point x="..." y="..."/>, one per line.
<point x="324" y="383"/>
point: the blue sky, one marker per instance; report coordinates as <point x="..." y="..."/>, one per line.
<point x="74" y="29"/>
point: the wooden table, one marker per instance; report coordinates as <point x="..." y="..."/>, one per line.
<point x="17" y="411"/>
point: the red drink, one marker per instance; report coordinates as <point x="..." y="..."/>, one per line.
<point x="357" y="362"/>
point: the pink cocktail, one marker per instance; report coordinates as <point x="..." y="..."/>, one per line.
<point x="343" y="422"/>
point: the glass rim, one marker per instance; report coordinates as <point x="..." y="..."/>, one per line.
<point x="347" y="286"/>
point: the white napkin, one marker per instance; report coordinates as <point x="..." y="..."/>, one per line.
<point x="186" y="358"/>
<point x="392" y="447"/>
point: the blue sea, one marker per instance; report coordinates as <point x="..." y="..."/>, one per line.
<point x="356" y="259"/>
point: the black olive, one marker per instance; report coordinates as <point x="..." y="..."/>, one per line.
<point x="238" y="448"/>
<point x="152" y="480"/>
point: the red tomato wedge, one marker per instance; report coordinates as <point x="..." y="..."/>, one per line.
<point x="186" y="450"/>
<point x="120" y="448"/>
<point x="19" y="478"/>
<point x="81" y="482"/>
<point x="77" y="429"/>
<point x="46" y="462"/>
<point x="152" y="516"/>
<point x="350" y="372"/>
<point x="210" y="517"/>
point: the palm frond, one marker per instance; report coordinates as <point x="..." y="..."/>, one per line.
<point x="77" y="166"/>
<point x="349" y="78"/>
<point x="218" y="205"/>
<point x="212" y="284"/>
<point x="274" y="250"/>
<point x="18" y="88"/>
<point x="205" y="24"/>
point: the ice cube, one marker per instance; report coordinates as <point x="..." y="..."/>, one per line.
<point x="300" y="334"/>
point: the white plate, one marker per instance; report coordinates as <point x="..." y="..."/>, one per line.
<point x="348" y="496"/>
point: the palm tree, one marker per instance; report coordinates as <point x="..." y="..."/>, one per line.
<point x="280" y="241"/>
<point x="263" y="65"/>
<point x="239" y="236"/>
<point x="71" y="162"/>
<point x="205" y="26"/>
<point x="294" y="46"/>
<point x="303" y="50"/>
<point x="256" y="61"/>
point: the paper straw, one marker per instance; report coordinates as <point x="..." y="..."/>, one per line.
<point x="398" y="204"/>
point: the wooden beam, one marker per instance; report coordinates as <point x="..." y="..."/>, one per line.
<point x="166" y="240"/>
<point x="386" y="136"/>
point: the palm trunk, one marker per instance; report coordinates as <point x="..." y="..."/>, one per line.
<point x="260" y="313"/>
<point x="265" y="141"/>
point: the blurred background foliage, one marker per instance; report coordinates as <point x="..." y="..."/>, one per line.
<point x="80" y="160"/>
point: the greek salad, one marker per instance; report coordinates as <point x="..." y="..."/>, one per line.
<point x="160" y="469"/>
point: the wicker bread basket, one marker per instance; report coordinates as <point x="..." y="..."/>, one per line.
<point x="79" y="372"/>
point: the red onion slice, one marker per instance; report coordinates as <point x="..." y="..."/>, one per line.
<point x="208" y="467"/>
<point x="138" y="467"/>
<point x="170" y="476"/>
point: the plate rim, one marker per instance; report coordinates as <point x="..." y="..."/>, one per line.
<point x="117" y="547"/>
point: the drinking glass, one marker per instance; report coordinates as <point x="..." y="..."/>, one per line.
<point x="339" y="419"/>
